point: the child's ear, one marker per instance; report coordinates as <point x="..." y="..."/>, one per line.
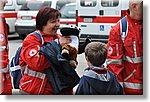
<point x="86" y="58"/>
<point x="87" y="61"/>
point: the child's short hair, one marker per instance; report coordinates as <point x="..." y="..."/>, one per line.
<point x="96" y="53"/>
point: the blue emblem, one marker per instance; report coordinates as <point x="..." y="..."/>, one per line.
<point x="101" y="27"/>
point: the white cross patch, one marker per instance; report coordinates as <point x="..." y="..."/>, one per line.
<point x="110" y="50"/>
<point x="1" y="37"/>
<point x="32" y="52"/>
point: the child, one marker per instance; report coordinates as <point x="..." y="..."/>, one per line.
<point x="70" y="51"/>
<point x="97" y="79"/>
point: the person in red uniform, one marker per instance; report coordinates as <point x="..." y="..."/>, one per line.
<point x="5" y="79"/>
<point x="125" y="59"/>
<point x="34" y="80"/>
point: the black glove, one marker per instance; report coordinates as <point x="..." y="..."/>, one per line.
<point x="83" y="45"/>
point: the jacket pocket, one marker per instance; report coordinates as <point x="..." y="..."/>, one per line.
<point x="128" y="47"/>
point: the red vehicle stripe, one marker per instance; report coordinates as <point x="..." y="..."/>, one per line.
<point x="33" y="17"/>
<point x="102" y="19"/>
<point x="9" y="14"/>
<point x="67" y="22"/>
<point x="62" y="22"/>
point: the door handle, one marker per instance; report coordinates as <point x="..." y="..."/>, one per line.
<point x="101" y="12"/>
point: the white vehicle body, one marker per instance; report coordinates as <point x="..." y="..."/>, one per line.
<point x="26" y="23"/>
<point x="97" y="17"/>
<point x="10" y="14"/>
<point x="68" y="15"/>
<point x="68" y="12"/>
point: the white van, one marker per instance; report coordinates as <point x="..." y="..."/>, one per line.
<point x="26" y="23"/>
<point x="68" y="15"/>
<point x="97" y="17"/>
<point x="10" y="14"/>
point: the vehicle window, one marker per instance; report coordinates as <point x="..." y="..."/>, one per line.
<point x="88" y="3"/>
<point x="9" y="3"/>
<point x="61" y="3"/>
<point x="9" y="6"/>
<point x="68" y="11"/>
<point x="33" y="6"/>
<point x="20" y="2"/>
<point x="109" y="3"/>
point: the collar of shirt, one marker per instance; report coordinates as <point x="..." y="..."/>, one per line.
<point x="134" y="20"/>
<point x="99" y="70"/>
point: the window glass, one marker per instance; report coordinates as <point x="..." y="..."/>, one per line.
<point x="68" y="11"/>
<point x="20" y="2"/>
<point x="61" y="3"/>
<point x="109" y="3"/>
<point x="10" y="2"/>
<point x="33" y="6"/>
<point x="88" y="3"/>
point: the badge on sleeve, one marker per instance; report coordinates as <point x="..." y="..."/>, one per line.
<point x="110" y="50"/>
<point x="32" y="52"/>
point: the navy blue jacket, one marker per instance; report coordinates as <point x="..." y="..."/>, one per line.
<point x="99" y="82"/>
<point x="61" y="75"/>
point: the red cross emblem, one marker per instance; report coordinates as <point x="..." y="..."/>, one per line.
<point x="32" y="52"/>
<point x="110" y="50"/>
<point x="1" y="37"/>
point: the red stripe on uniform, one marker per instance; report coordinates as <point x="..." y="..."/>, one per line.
<point x="102" y="19"/>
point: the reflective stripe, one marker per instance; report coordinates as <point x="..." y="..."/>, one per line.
<point x="4" y="70"/>
<point x="130" y="75"/>
<point x="34" y="73"/>
<point x="26" y="82"/>
<point x="23" y="92"/>
<point x="117" y="50"/>
<point x="15" y="68"/>
<point x="127" y="58"/>
<point x="134" y="49"/>
<point x="114" y="61"/>
<point x="41" y="87"/>
<point x="37" y="75"/>
<point x="2" y="48"/>
<point x="132" y="85"/>
<point x="121" y="83"/>
<point x="134" y="60"/>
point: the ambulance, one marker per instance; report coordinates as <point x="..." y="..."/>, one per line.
<point x="97" y="17"/>
<point x="10" y="14"/>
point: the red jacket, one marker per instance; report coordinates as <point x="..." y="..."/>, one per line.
<point x="34" y="80"/>
<point x="5" y="79"/>
<point x="3" y="43"/>
<point x="126" y="59"/>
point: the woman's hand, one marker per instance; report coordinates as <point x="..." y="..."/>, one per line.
<point x="64" y="40"/>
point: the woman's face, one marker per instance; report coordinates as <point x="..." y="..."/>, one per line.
<point x="52" y="26"/>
